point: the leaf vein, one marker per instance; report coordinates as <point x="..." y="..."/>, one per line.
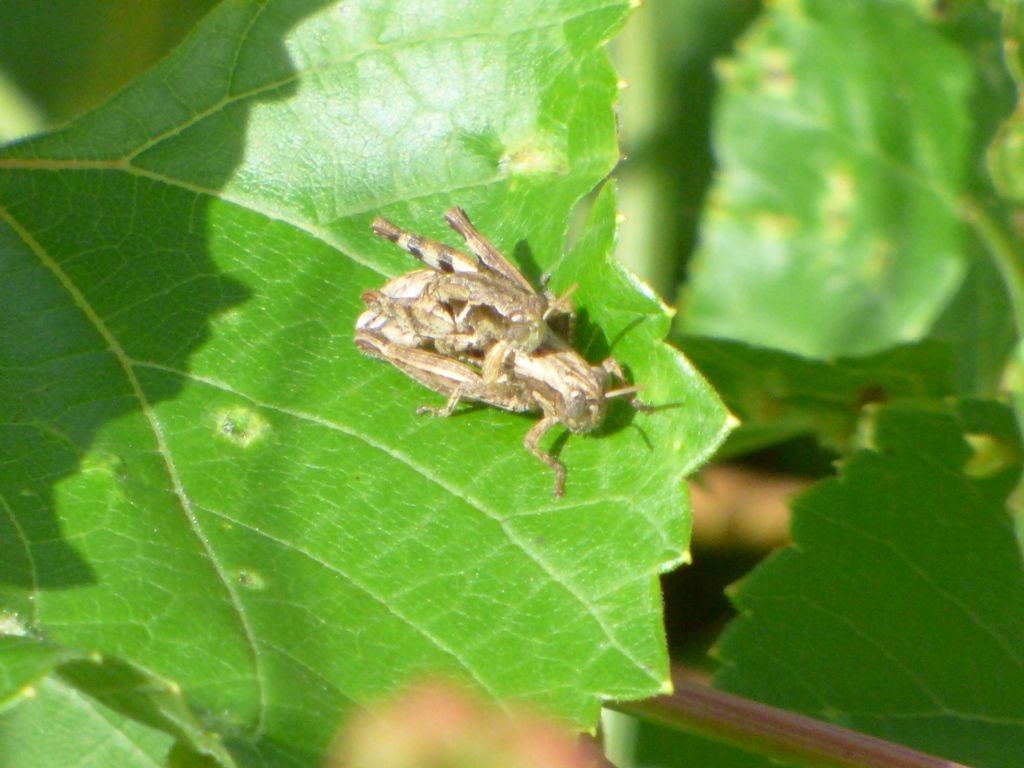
<point x="432" y="477"/>
<point x="33" y="573"/>
<point x="380" y="599"/>
<point x="123" y="360"/>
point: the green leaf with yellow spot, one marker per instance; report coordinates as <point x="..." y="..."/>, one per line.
<point x="843" y="141"/>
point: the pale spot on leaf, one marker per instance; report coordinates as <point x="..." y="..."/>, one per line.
<point x="242" y="426"/>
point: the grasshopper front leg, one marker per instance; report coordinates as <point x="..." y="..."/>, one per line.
<point x="449" y="407"/>
<point x="531" y="443"/>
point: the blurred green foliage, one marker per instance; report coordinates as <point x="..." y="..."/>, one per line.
<point x="666" y="59"/>
<point x="61" y="58"/>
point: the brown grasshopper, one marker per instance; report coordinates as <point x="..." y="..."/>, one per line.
<point x="554" y="380"/>
<point x="476" y="329"/>
<point x="472" y="302"/>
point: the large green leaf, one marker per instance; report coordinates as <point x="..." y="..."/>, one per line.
<point x="204" y="478"/>
<point x="842" y="136"/>
<point x="899" y="610"/>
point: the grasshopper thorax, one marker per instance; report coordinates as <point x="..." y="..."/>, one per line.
<point x="525" y="327"/>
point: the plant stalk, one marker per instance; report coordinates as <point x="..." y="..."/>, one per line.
<point x="773" y="732"/>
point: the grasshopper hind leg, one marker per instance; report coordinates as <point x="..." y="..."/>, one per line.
<point x="441" y="257"/>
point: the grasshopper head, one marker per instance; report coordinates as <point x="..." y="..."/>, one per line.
<point x="584" y="410"/>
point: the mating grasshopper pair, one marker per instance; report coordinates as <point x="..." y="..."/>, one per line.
<point x="475" y="329"/>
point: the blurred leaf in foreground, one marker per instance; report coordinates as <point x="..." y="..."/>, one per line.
<point x="441" y="725"/>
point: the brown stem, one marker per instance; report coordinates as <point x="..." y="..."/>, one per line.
<point x="773" y="732"/>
